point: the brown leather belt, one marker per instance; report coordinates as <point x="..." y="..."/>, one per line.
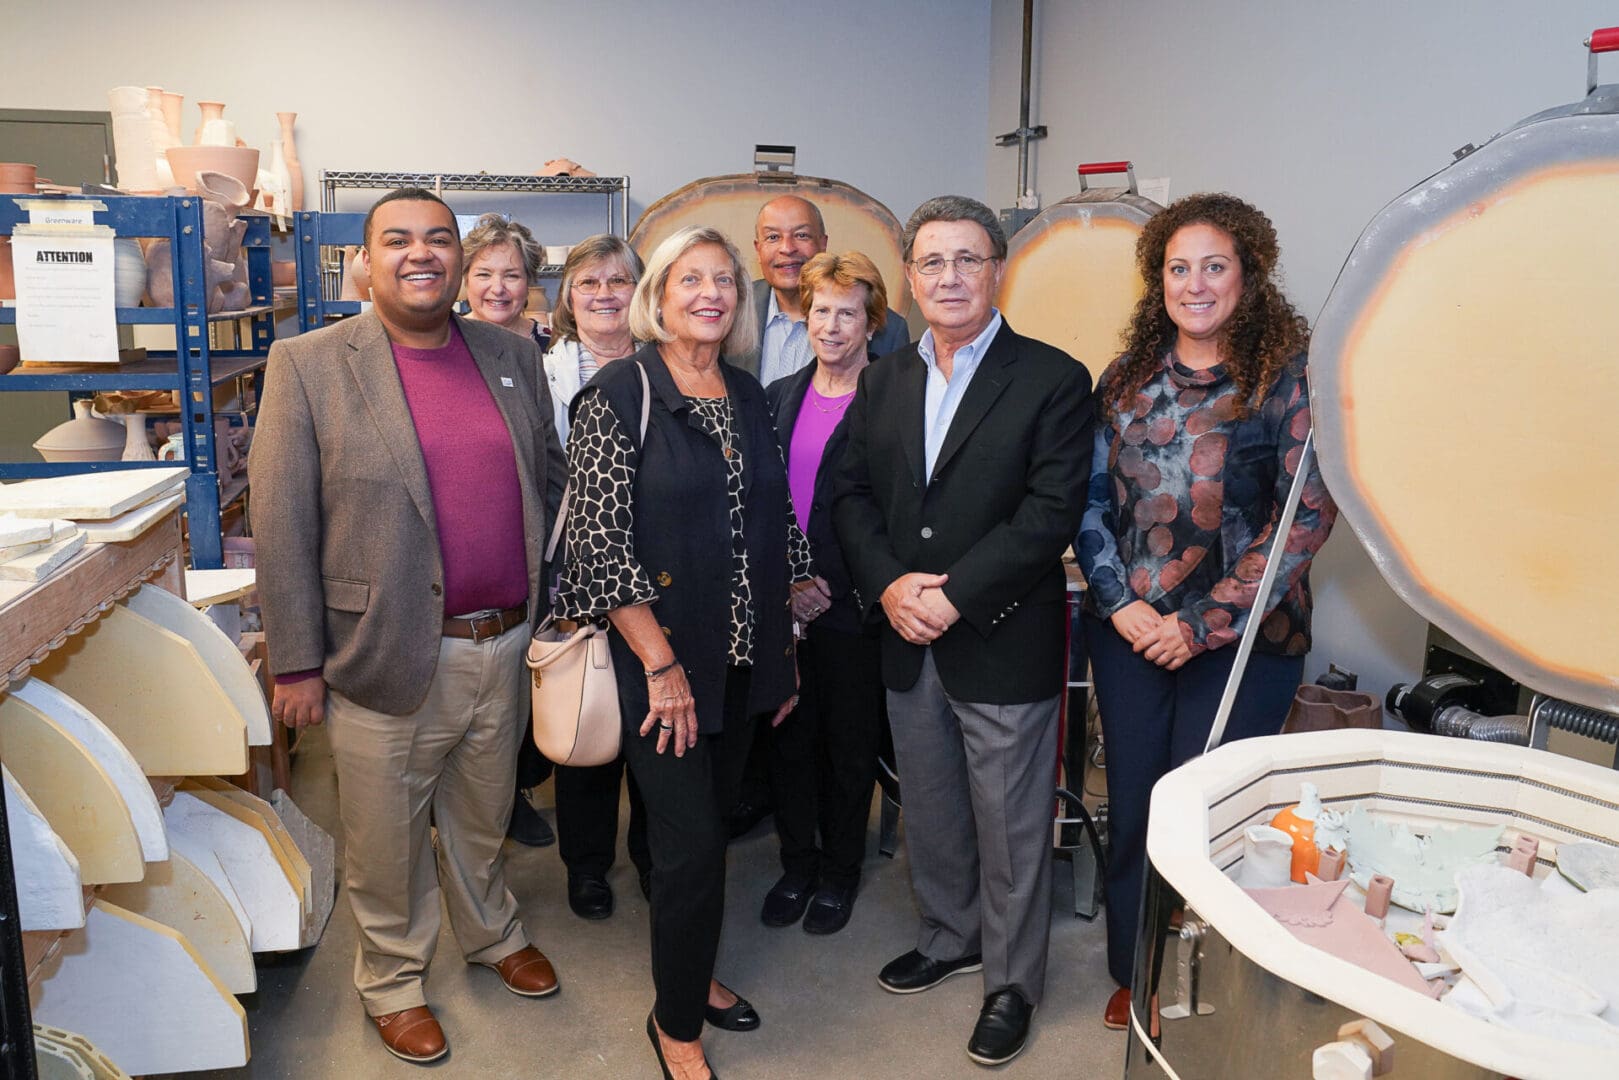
<point x="486" y="626"/>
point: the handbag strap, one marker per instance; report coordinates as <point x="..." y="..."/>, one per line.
<point x="567" y="492"/>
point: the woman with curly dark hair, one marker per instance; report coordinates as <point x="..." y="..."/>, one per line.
<point x="1204" y="420"/>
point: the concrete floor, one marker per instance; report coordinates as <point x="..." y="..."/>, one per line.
<point x="824" y="1014"/>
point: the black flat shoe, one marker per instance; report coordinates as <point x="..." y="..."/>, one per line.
<point x="527" y="826"/>
<point x="829" y="909"/>
<point x="657" y="1048"/>
<point x="1002" y="1029"/>
<point x="739" y="1017"/>
<point x="590" y="896"/>
<point x="913" y="972"/>
<point x="785" y="902"/>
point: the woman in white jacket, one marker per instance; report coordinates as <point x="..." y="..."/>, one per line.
<point x="591" y="328"/>
<point x="591" y="324"/>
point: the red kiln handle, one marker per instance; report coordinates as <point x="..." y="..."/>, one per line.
<point x="1101" y="168"/>
<point x="1602" y="40"/>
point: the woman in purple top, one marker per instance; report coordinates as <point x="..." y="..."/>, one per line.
<point x="823" y="761"/>
<point x="1204" y="420"/>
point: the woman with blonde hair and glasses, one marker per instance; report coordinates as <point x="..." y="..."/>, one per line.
<point x="683" y="539"/>
<point x="591" y="325"/>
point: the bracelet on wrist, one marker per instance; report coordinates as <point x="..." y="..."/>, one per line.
<point x="653" y="673"/>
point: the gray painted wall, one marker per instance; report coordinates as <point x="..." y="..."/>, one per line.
<point x="1317" y="113"/>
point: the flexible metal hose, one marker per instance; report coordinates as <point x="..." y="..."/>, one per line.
<point x="1579" y="719"/>
<point x="1463" y="723"/>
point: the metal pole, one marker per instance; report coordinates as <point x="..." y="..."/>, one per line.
<point x="1023" y="106"/>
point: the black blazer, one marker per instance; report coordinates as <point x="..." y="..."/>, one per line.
<point x="1007" y="492"/>
<point x="786" y="397"/>
<point x="683" y="537"/>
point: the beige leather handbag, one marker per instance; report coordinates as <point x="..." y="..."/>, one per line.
<point x="575" y="693"/>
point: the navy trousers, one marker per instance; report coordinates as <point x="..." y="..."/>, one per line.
<point x="1152" y="721"/>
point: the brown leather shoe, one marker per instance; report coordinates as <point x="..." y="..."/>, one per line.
<point x="1117" y="1013"/>
<point x="528" y="972"/>
<point x="412" y="1035"/>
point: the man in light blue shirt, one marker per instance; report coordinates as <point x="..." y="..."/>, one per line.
<point x="788" y="233"/>
<point x="945" y="386"/>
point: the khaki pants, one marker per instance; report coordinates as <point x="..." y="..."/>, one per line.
<point x="455" y="756"/>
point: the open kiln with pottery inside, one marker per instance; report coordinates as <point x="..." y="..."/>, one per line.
<point x="1463" y="388"/>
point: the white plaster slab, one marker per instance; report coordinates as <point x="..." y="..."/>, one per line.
<point x="129" y="525"/>
<point x="272" y="900"/>
<point x="16" y="530"/>
<point x="50" y="894"/>
<point x="113" y="755"/>
<point x="155" y="691"/>
<point x="41" y="564"/>
<point x="180" y="896"/>
<point x="95" y="496"/>
<point x="141" y="993"/>
<point x="196" y="850"/>
<point x="249" y="808"/>
<point x="101" y="1066"/>
<point x="320" y="850"/>
<point x="71" y="788"/>
<point x="219" y="586"/>
<point x="220" y="655"/>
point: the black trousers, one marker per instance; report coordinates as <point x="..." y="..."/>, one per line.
<point x="823" y="757"/>
<point x="587" y="818"/>
<point x="1152" y="721"/>
<point x="686" y="799"/>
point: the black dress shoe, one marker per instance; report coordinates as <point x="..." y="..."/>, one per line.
<point x="590" y="896"/>
<point x="785" y="902"/>
<point x="913" y="972"/>
<point x="527" y="826"/>
<point x="1002" y="1028"/>
<point x="739" y="1017"/>
<point x="829" y="909"/>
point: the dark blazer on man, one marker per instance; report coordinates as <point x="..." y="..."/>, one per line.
<point x="1007" y="492"/>
<point x="786" y="397"/>
<point x="350" y="576"/>
<point x="892" y="336"/>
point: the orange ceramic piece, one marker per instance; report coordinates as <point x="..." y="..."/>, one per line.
<point x="1306" y="856"/>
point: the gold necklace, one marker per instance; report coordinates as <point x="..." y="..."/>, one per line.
<point x="685" y="387"/>
<point x="720" y="426"/>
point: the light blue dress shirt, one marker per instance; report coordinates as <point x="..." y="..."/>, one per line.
<point x="784" y="347"/>
<point x="943" y="395"/>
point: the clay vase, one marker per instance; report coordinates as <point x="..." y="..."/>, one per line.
<point x="132" y="139"/>
<point x="172" y="104"/>
<point x="278" y="196"/>
<point x="136" y="446"/>
<point x="128" y="271"/>
<point x="295" y="168"/>
<point x="86" y="437"/>
<point x="1306" y="856"/>
<point x="159" y="274"/>
<point x="212" y="111"/>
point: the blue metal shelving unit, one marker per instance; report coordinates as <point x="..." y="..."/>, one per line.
<point x="194" y="368"/>
<point x="316" y="231"/>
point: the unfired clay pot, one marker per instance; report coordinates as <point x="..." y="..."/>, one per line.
<point x="289" y="151"/>
<point x="242" y="163"/>
<point x="10" y="355"/>
<point x="128" y="271"/>
<point x="212" y="112"/>
<point x="86" y="437"/>
<point x="172" y="104"/>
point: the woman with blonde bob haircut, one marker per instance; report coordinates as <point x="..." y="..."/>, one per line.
<point x="683" y="539"/>
<point x="823" y="763"/>
<point x="646" y="318"/>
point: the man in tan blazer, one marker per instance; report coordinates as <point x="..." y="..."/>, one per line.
<point x="405" y="470"/>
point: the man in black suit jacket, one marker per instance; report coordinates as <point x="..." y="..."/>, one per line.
<point x="963" y="482"/>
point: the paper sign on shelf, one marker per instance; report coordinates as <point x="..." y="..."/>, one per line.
<point x="61" y="211"/>
<point x="66" y="310"/>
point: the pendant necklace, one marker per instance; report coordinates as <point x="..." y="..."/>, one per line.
<point x="842" y="400"/>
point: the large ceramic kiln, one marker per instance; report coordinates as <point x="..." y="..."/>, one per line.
<point x="1071" y="279"/>
<point x="1464" y="386"/>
